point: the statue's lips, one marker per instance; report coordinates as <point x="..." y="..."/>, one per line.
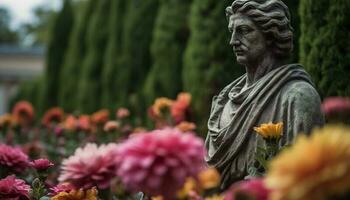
<point x="239" y="52"/>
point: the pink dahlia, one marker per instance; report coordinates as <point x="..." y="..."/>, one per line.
<point x="90" y="166"/>
<point x="13" y="159"/>
<point x="12" y="188"/>
<point x="159" y="162"/>
<point x="41" y="164"/>
<point x="62" y="187"/>
<point x="250" y="189"/>
<point x="336" y="105"/>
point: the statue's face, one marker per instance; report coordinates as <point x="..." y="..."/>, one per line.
<point x="248" y="41"/>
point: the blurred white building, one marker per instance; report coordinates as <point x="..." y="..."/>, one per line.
<point x="17" y="65"/>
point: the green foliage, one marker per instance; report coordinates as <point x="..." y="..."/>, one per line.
<point x="209" y="63"/>
<point x="55" y="55"/>
<point x="7" y="35"/>
<point x="113" y="54"/>
<point x="76" y="51"/>
<point x="170" y="37"/>
<point x="325" y="44"/>
<point x="37" y="32"/>
<point x="90" y="83"/>
<point x="293" y="6"/>
<point x="136" y="56"/>
<point x="29" y="91"/>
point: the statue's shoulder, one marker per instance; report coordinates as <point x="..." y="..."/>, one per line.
<point x="300" y="92"/>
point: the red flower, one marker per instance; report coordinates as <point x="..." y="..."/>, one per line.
<point x="41" y="164"/>
<point x="180" y="107"/>
<point x="250" y="189"/>
<point x="54" y="115"/>
<point x="13" y="158"/>
<point x="23" y="113"/>
<point x="13" y="189"/>
<point x="159" y="162"/>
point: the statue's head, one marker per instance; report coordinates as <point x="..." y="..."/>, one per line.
<point x="259" y="27"/>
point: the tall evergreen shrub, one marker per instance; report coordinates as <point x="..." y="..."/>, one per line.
<point x="72" y="66"/>
<point x="112" y="66"/>
<point x="170" y="37"/>
<point x="89" y="95"/>
<point x="325" y="44"/>
<point x="136" y="56"/>
<point x="209" y="62"/>
<point x="57" y="47"/>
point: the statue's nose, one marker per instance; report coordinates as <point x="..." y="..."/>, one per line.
<point x="234" y="41"/>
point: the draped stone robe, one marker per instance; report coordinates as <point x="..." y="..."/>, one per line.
<point x="285" y="94"/>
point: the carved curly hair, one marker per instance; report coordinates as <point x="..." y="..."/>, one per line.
<point x="272" y="17"/>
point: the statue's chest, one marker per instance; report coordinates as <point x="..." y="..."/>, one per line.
<point x="227" y="114"/>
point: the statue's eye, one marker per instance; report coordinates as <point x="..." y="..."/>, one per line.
<point x="245" y="30"/>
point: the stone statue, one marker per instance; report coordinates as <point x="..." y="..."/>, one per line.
<point x="270" y="91"/>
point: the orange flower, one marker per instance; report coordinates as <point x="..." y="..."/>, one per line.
<point x="7" y="120"/>
<point x="160" y="105"/>
<point x="23" y="113"/>
<point x="54" y="115"/>
<point x="71" y="123"/>
<point x="100" y="117"/>
<point x="270" y="130"/>
<point x="215" y="197"/>
<point x="77" y="195"/>
<point x="314" y="168"/>
<point x="84" y="123"/>
<point x="111" y="126"/>
<point x="186" y="126"/>
<point x="209" y="178"/>
<point x="189" y="186"/>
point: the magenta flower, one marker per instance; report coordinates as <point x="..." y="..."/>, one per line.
<point x="13" y="159"/>
<point x="90" y="166"/>
<point x="12" y="188"/>
<point x="158" y="162"/>
<point x="336" y="105"/>
<point x="41" y="164"/>
<point x="62" y="187"/>
<point x="250" y="189"/>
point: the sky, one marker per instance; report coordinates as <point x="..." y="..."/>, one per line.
<point x="21" y="10"/>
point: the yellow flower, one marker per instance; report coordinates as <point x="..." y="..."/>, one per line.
<point x="160" y="104"/>
<point x="209" y="178"/>
<point x="270" y="130"/>
<point x="77" y="195"/>
<point x="190" y="185"/>
<point x="215" y="197"/>
<point x="314" y="168"/>
<point x="157" y="198"/>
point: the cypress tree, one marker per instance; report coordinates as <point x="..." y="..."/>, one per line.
<point x="169" y="42"/>
<point x="325" y="44"/>
<point x="293" y="6"/>
<point x="56" y="50"/>
<point x="89" y="95"/>
<point x="209" y="62"/>
<point x="73" y="60"/>
<point x="113" y="51"/>
<point x="136" y="56"/>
